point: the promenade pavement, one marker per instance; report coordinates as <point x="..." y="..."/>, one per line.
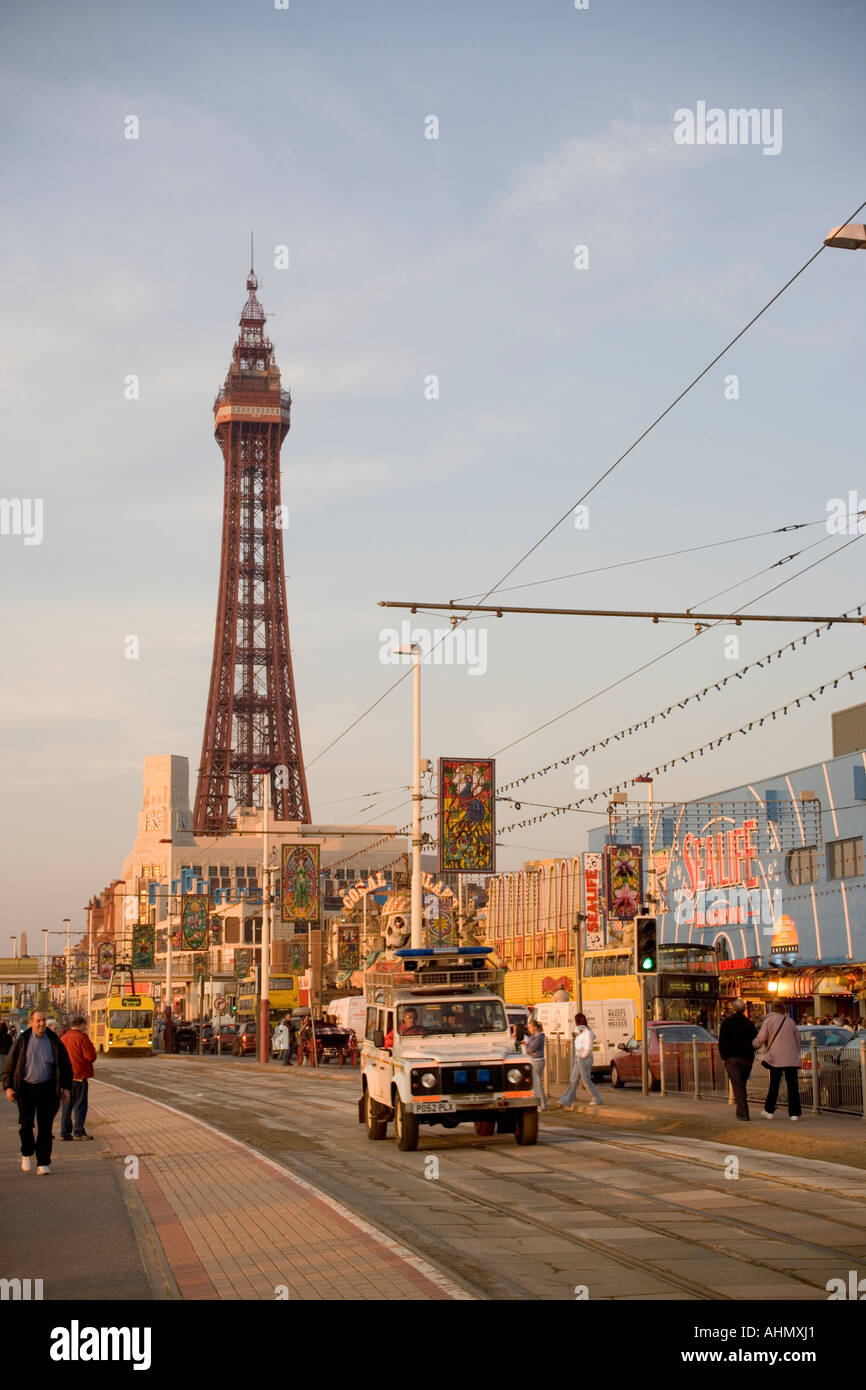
<point x="188" y="1213"/>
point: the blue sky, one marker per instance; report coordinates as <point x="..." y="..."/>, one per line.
<point x="411" y="257"/>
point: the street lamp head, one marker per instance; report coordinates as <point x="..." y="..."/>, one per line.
<point x="408" y="649"/>
<point x="849" y="238"/>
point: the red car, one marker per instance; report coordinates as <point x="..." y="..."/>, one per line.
<point x="627" y="1064"/>
<point x="244" y="1040"/>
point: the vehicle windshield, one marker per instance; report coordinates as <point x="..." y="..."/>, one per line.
<point x="684" y="1032"/>
<point x="130" y="1018"/>
<point x="823" y="1036"/>
<point x="447" y="1016"/>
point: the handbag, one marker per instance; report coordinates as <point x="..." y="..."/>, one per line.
<point x="770" y="1044"/>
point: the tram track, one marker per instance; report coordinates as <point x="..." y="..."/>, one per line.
<point x="225" y="1094"/>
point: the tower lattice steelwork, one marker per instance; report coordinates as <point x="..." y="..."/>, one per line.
<point x="252" y="714"/>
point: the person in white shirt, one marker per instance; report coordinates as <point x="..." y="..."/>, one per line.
<point x="581" y="1071"/>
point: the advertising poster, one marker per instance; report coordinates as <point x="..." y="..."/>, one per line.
<point x="467" y="816"/>
<point x="593" y="927"/>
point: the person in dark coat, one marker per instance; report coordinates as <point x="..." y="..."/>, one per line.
<point x="5" y="1039"/>
<point x="38" y="1075"/>
<point x="735" y="1048"/>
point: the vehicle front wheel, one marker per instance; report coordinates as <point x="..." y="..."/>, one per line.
<point x="485" y="1128"/>
<point x="406" y="1127"/>
<point x="376" y="1128"/>
<point x="615" y="1078"/>
<point x="526" y="1126"/>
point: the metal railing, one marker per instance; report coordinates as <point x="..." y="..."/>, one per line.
<point x="830" y="1078"/>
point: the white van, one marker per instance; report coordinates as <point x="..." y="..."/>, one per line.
<point x="350" y="1013"/>
<point x="611" y="1020"/>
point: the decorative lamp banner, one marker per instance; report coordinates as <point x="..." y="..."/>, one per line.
<point x="348" y="957"/>
<point x="106" y="954"/>
<point x="143" y="946"/>
<point x="193" y="922"/>
<point x="441" y="932"/>
<point x="299" y="882"/>
<point x="624" y="881"/>
<point x="243" y="964"/>
<point x="467" y="816"/>
<point x="593" y="881"/>
<point x="58" y="970"/>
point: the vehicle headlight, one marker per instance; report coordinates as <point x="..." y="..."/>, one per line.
<point x="514" y="1076"/>
<point x="428" y="1080"/>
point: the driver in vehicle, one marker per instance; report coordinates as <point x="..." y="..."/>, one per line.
<point x="409" y="1026"/>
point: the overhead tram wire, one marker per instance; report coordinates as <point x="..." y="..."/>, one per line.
<point x="647" y="559"/>
<point x="606" y="474"/>
<point x="669" y="651"/>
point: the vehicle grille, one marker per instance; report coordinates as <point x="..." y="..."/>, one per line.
<point x="472" y="1080"/>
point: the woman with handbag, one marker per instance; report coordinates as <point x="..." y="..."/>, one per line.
<point x="778" y="1033"/>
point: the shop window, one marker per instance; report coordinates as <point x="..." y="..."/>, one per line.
<point x="845" y="858"/>
<point x="860" y="783"/>
<point x="772" y="806"/>
<point x="622" y="965"/>
<point x="233" y="931"/>
<point x="801" y="865"/>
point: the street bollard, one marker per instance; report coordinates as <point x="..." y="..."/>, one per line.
<point x="863" y="1073"/>
<point x="695" y="1064"/>
<point x="662" y="1086"/>
<point x="816" y="1098"/>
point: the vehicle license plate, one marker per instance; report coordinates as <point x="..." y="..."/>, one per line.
<point x="435" y="1107"/>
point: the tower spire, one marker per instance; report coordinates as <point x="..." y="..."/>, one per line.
<point x="252" y="717"/>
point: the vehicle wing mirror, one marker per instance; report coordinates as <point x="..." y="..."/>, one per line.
<point x="623" y="1047"/>
<point x="378" y="1037"/>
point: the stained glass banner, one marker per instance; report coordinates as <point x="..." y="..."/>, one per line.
<point x="299" y="884"/>
<point x="467" y="816"/>
<point x="194" y="919"/>
<point x="624" y="881"/>
<point x="143" y="946"/>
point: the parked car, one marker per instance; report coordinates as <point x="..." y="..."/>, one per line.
<point x="245" y="1039"/>
<point x="840" y="1076"/>
<point x="226" y="1039"/>
<point x="186" y="1037"/>
<point x="626" y="1063"/>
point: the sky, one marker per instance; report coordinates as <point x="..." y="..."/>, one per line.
<point x="460" y="374"/>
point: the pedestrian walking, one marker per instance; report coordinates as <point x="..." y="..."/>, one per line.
<point x="38" y="1075"/>
<point x="736" y="1036"/>
<point x="282" y="1041"/>
<point x="779" y="1035"/>
<point x="581" y="1067"/>
<point x="82" y="1055"/>
<point x="535" y="1051"/>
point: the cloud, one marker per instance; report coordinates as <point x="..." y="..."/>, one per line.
<point x="586" y="166"/>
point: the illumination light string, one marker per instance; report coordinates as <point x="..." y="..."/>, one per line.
<point x="692" y="753"/>
<point x="697" y="695"/>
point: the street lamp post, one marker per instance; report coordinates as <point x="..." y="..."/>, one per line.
<point x="417" y="900"/>
<point x="265" y="971"/>
<point x="68" y="957"/>
<point x="169" y="936"/>
<point x="14" y="941"/>
<point x="45" y="957"/>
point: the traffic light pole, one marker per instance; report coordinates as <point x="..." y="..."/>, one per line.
<point x="644" y="1033"/>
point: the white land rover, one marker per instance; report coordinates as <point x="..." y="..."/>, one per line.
<point x="437" y="1049"/>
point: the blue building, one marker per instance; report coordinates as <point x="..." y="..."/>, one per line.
<point x="771" y="874"/>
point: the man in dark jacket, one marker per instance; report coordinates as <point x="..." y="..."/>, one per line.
<point x="737" y="1053"/>
<point x="38" y="1075"/>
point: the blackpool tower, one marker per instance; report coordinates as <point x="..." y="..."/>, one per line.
<point x="252" y="713"/>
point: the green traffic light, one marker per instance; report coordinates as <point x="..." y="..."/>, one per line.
<point x="647" y="963"/>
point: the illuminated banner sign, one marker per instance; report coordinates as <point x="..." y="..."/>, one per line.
<point x="721" y="860"/>
<point x="467" y="816"/>
<point x="784" y="941"/>
<point x="624" y="881"/>
<point x="105" y="958"/>
<point x="299" y="881"/>
<point x="746" y="963"/>
<point x="193" y="921"/>
<point x="347" y="947"/>
<point x="143" y="945"/>
<point x="593" y="927"/>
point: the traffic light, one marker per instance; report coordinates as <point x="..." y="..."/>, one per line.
<point x="647" y="945"/>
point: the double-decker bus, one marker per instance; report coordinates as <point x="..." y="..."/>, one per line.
<point x="283" y="997"/>
<point x="686" y="985"/>
<point x="122" y="1025"/>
